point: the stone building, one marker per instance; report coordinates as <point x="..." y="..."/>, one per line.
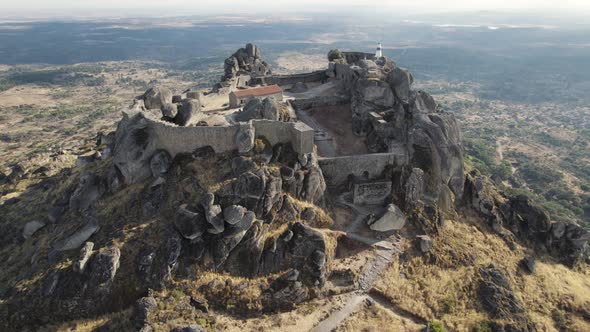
<point x="240" y="97"/>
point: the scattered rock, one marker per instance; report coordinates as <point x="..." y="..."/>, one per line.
<point x="242" y="165"/>
<point x="203" y="153"/>
<point x="392" y="220"/>
<point x="31" y="227"/>
<point x="190" y="328"/>
<point x="200" y="304"/>
<point x="85" y="253"/>
<point x="425" y="243"/>
<point x="143" y="307"/>
<point x="529" y="263"/>
<point x="169" y="110"/>
<point x="308" y="214"/>
<point x="75" y="240"/>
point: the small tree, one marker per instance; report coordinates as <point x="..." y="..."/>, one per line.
<point x="334" y="54"/>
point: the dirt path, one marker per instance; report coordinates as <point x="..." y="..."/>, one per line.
<point x="382" y="258"/>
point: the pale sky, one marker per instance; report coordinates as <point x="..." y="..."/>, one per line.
<point x="192" y="7"/>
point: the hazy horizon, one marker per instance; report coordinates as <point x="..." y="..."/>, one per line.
<point x="39" y="9"/>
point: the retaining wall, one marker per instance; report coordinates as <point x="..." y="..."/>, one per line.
<point x="336" y="170"/>
<point x="315" y="76"/>
<point x="304" y="104"/>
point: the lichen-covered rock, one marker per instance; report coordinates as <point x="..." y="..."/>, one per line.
<point x="104" y="266"/>
<point x="80" y="265"/>
<point x="160" y="163"/>
<point x="143" y="308"/>
<point x="234" y="214"/>
<point x="436" y="148"/>
<point x="245" y="139"/>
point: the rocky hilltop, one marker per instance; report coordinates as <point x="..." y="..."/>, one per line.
<point x="347" y="193"/>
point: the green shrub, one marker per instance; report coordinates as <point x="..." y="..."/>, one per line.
<point x="334" y="54"/>
<point x="436" y="326"/>
<point x="482" y="327"/>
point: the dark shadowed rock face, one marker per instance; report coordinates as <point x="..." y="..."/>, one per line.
<point x="90" y="188"/>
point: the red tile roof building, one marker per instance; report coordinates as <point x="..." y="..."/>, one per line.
<point x="240" y="97"/>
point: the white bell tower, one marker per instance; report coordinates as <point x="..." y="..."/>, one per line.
<point x="379" y="52"/>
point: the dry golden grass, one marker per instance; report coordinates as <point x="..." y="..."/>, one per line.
<point x="445" y="287"/>
<point x="322" y="218"/>
<point x="376" y="318"/>
<point x="118" y="321"/>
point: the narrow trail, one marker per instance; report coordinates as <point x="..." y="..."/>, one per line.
<point x="382" y="258"/>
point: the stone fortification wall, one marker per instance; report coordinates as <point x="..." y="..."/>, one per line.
<point x="337" y="170"/>
<point x="298" y="134"/>
<point x="313" y="77"/>
<point x="320" y="101"/>
<point x="355" y="57"/>
<point x="176" y="139"/>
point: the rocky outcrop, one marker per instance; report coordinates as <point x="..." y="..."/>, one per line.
<point x="135" y="144"/>
<point x="189" y="112"/>
<point x="395" y="118"/>
<point x="497" y="297"/>
<point x="246" y="60"/>
<point x="527" y="221"/>
<point x="79" y="265"/>
<point x="268" y="108"/>
<point x="32" y="227"/>
<point x="156" y="97"/>
<point x="285" y="292"/>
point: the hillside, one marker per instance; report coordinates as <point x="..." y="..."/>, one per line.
<point x="343" y="204"/>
